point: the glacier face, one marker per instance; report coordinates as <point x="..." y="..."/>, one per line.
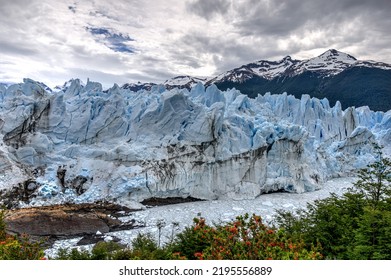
<point x="83" y="144"/>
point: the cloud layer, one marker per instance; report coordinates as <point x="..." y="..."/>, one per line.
<point x="131" y="40"/>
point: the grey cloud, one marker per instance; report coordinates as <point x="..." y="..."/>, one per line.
<point x="259" y="25"/>
<point x="184" y="57"/>
<point x="5" y="78"/>
<point x="6" y="63"/>
<point x="10" y="48"/>
<point x="269" y="18"/>
<point x="227" y="53"/>
<point x="207" y="9"/>
<point x="202" y="42"/>
<point x="104" y="14"/>
<point x="159" y="74"/>
<point x="20" y="28"/>
<point x="280" y="18"/>
<point x="92" y="60"/>
<point x="13" y="8"/>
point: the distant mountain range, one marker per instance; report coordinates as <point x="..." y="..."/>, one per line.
<point x="333" y="74"/>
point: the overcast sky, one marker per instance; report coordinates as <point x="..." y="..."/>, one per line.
<point x="123" y="41"/>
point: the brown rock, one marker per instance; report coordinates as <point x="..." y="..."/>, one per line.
<point x="57" y="220"/>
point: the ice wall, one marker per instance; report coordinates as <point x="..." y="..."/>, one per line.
<point x="82" y="144"/>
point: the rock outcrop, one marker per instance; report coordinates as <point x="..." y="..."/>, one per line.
<point x="66" y="221"/>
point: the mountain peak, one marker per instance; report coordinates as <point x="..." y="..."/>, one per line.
<point x="333" y="51"/>
<point x="333" y="54"/>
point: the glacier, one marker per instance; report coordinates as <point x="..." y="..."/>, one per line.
<point x="82" y="144"/>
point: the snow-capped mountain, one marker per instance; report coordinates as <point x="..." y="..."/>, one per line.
<point x="332" y="62"/>
<point x="84" y="144"/>
<point x="263" y="68"/>
<point x="184" y="82"/>
<point x="335" y="75"/>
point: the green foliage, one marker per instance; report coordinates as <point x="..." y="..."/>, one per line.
<point x="2" y="226"/>
<point x="330" y="222"/>
<point x="74" y="254"/>
<point x="375" y="179"/>
<point x="373" y="235"/>
<point x="17" y="248"/>
<point x="20" y="249"/>
<point x="144" y="247"/>
<point x="104" y="250"/>
<point x="246" y="238"/>
<point x="356" y="225"/>
<point x="193" y="239"/>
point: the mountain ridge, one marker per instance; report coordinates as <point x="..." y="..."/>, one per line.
<point x="331" y="62"/>
<point x="335" y="75"/>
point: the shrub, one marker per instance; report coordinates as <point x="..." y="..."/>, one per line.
<point x="144" y="247"/>
<point x="193" y="239"/>
<point x="17" y="248"/>
<point x="74" y="254"/>
<point x="2" y="226"/>
<point x="246" y="238"/>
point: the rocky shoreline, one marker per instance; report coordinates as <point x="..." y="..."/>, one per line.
<point x="56" y="222"/>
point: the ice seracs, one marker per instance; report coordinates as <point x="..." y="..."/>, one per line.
<point x="83" y="144"/>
